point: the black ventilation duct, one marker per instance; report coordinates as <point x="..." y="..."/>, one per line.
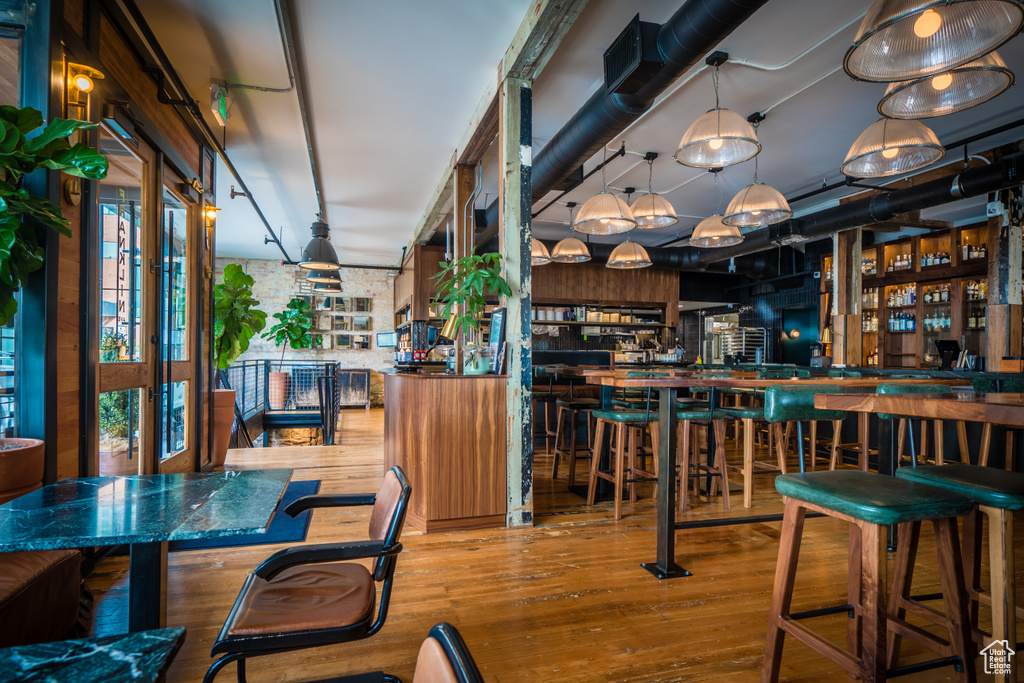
<point x="633" y="58"/>
<point x="693" y="31"/>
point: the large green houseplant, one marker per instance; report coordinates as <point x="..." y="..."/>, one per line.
<point x="235" y="321"/>
<point x="21" y="460"/>
<point x="292" y="330"/>
<point x="466" y="283"/>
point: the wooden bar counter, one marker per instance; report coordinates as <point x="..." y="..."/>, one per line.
<point x="447" y="432"/>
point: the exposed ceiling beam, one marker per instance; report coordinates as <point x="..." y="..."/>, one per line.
<point x="545" y="25"/>
<point x="911" y="219"/>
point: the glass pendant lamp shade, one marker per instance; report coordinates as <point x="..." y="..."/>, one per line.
<point x="712" y="232"/>
<point x="604" y="214"/>
<point x="949" y="92"/>
<point x="717" y="139"/>
<point x="539" y="255"/>
<point x="319" y="254"/>
<point x="323" y="276"/>
<point x="757" y="205"/>
<point x="653" y="211"/>
<point x="629" y="256"/>
<point x="901" y="40"/>
<point x="327" y="287"/>
<point x="891" y="147"/>
<point x="570" y="250"/>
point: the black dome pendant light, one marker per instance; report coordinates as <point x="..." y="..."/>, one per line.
<point x="319" y="253"/>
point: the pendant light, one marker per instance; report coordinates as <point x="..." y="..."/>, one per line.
<point x="891" y="147"/>
<point x="324" y="276"/>
<point x="949" y="92"/>
<point x="328" y="287"/>
<point x="901" y="40"/>
<point x="652" y="210"/>
<point x="319" y="254"/>
<point x="717" y="139"/>
<point x="604" y="213"/>
<point x="539" y="255"/>
<point x="757" y="204"/>
<point x="629" y="256"/>
<point x="570" y="249"/>
<point x="712" y="232"/>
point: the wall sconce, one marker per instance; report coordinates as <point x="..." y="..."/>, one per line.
<point x="210" y="214"/>
<point x="81" y="78"/>
<point x="793" y="333"/>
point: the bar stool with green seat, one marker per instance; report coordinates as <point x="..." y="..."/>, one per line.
<point x="869" y="502"/>
<point x="688" y="450"/>
<point x="997" y="495"/>
<point x="568" y="410"/>
<point x="991" y="385"/>
<point x="905" y="421"/>
<point x="545" y="395"/>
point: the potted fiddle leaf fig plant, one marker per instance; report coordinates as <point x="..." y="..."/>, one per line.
<point x="292" y="329"/>
<point x="235" y="321"/>
<point x="465" y="283"/>
<point x="21" y="214"/>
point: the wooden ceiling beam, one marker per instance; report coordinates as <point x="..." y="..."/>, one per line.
<point x="545" y="25"/>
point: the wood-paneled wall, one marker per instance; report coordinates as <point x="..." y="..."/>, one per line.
<point x="578" y="284"/>
<point x="415" y="286"/>
<point x="69" y="335"/>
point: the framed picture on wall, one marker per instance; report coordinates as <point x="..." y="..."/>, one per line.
<point x="362" y="304"/>
<point x="360" y="341"/>
<point x="361" y="323"/>
<point x="343" y="341"/>
<point x="342" y="323"/>
<point x="342" y="304"/>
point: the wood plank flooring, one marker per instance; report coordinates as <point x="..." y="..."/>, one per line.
<point x="563" y="601"/>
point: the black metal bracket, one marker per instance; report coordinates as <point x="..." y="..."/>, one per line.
<point x="161" y="93"/>
<point x="756" y="118"/>
<point x="717" y="58"/>
<point x="235" y="193"/>
<point x="401" y="263"/>
<point x="650" y="156"/>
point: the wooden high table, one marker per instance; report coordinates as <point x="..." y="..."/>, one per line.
<point x="664" y="566"/>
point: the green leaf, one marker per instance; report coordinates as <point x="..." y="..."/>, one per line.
<point x="55" y="130"/>
<point x="25" y="119"/>
<point x="81" y="160"/>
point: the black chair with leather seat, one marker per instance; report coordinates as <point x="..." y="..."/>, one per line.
<point x="313" y="595"/>
<point x="444" y="658"/>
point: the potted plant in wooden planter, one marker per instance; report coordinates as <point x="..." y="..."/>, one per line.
<point x="235" y="321"/>
<point x="21" y="215"/>
<point x="465" y="283"/>
<point x="293" y="329"/>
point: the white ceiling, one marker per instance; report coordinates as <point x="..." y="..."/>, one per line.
<point x="394" y="85"/>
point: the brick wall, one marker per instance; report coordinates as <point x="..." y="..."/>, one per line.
<point x="276" y="284"/>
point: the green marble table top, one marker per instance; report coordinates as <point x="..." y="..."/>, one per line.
<point x="141" y="657"/>
<point x="75" y="513"/>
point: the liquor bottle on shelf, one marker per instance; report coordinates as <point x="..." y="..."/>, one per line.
<point x="972" y="320"/>
<point x="982" y="318"/>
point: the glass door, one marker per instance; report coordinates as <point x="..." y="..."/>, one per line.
<point x="176" y="441"/>
<point x="126" y="318"/>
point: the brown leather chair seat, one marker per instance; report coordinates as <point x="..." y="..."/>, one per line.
<point x="305" y="598"/>
<point x="39" y="595"/>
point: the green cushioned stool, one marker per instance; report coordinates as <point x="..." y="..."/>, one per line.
<point x="870" y="502"/>
<point x="628" y="427"/>
<point x="996" y="495"/>
<point x="795" y="403"/>
<point x="567" y="427"/>
<point x="905" y="427"/>
<point x="992" y="385"/>
<point x="691" y="469"/>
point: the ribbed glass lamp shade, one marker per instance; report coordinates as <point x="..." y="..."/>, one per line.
<point x="327" y="288"/>
<point x="890" y="147"/>
<point x="757" y="205"/>
<point x="319" y="254"/>
<point x="629" y="256"/>
<point x="604" y="214"/>
<point x="653" y="211"/>
<point x="718" y="138"/>
<point x="324" y="276"/>
<point x="570" y="250"/>
<point x="539" y="255"/>
<point x="712" y="232"/>
<point x="901" y="40"/>
<point x="949" y="92"/>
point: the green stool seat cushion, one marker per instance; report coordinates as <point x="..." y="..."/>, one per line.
<point x="904" y="388"/>
<point x="578" y="403"/>
<point x="873" y="497"/>
<point x="693" y="414"/>
<point x="626" y="415"/>
<point x="984" y="485"/>
<point x="796" y="402"/>
<point x="740" y="413"/>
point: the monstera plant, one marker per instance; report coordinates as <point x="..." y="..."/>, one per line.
<point x="236" y="318"/>
<point x="20" y="212"/>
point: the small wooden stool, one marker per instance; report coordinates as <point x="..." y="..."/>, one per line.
<point x="630" y="427"/>
<point x="570" y="410"/>
<point x="996" y="494"/>
<point x="869" y="502"/>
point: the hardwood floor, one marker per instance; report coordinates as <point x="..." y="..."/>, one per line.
<point x="563" y="601"/>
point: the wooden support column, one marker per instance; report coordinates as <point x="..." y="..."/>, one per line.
<point x="515" y="131"/>
<point x="1003" y="313"/>
<point x="846" y="290"/>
